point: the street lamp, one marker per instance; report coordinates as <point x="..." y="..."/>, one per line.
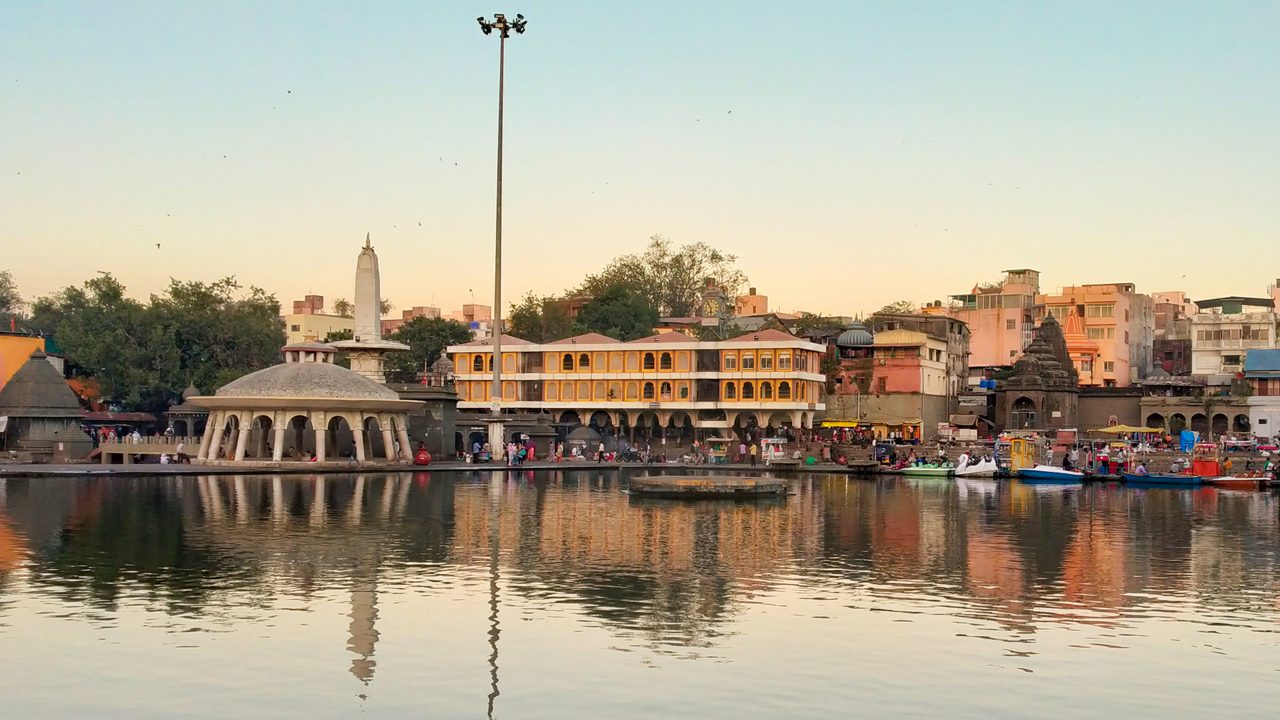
<point x="504" y="28"/>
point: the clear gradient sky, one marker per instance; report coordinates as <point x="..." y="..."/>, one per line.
<point x="850" y="153"/>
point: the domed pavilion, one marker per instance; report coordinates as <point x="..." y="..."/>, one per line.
<point x="302" y="408"/>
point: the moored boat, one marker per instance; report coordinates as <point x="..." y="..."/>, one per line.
<point x="985" y="467"/>
<point x="1162" y="479"/>
<point x="928" y="470"/>
<point x="1049" y="473"/>
<point x="1235" y="482"/>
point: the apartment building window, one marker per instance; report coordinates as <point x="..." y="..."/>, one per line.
<point x="784" y="390"/>
<point x="1099" y="311"/>
<point x="648" y="361"/>
<point x="882" y="385"/>
<point x="1231" y="360"/>
<point x="730" y="391"/>
<point x="1011" y="324"/>
<point x="477" y="363"/>
<point x="766" y="391"/>
<point x="1096" y="333"/>
<point x="584" y="362"/>
<point x="1111" y="333"/>
<point x="684" y="392"/>
<point x="748" y="391"/>
<point x="295" y="328"/>
<point x="1126" y="337"/>
<point x="1086" y="366"/>
<point x="566" y="362"/>
<point x="784" y="361"/>
<point x="647" y="393"/>
<point x="730" y="361"/>
<point x="665" y="391"/>
<point x="766" y="361"/>
<point x="748" y="362"/>
<point x="1108" y="366"/>
<point x="664" y="361"/>
<point x="1059" y="312"/>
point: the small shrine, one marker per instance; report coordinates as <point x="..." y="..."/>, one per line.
<point x="1042" y="393"/>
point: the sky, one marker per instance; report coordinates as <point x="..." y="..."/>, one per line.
<point x="850" y="154"/>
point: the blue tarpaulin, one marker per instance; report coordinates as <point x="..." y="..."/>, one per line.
<point x="1187" y="440"/>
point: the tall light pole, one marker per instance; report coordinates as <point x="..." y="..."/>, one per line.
<point x="504" y="28"/>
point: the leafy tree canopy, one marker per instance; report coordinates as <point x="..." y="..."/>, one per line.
<point x="901" y="307"/>
<point x="144" y="355"/>
<point x="621" y="312"/>
<point x="427" y="338"/>
<point x="541" y="319"/>
<point x="671" y="278"/>
<point x="10" y="300"/>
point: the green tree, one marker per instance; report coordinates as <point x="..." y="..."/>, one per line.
<point x="541" y="319"/>
<point x="10" y="300"/>
<point x="427" y="338"/>
<point x="621" y="312"/>
<point x="340" y="358"/>
<point x="809" y="322"/>
<point x="900" y="307"/>
<point x="672" y="278"/>
<point x="342" y="307"/>
<point x="144" y="355"/>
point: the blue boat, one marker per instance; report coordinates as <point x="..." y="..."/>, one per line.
<point x="1049" y="474"/>
<point x="1162" y="479"/>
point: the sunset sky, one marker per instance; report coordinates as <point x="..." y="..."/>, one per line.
<point x="850" y="153"/>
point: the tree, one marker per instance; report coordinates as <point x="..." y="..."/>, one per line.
<point x="621" y="312"/>
<point x="541" y="319"/>
<point x="144" y="355"/>
<point x="901" y="307"/>
<point x="340" y="358"/>
<point x="342" y="307"/>
<point x="809" y="322"/>
<point x="427" y="338"/>
<point x="673" y="279"/>
<point x="10" y="300"/>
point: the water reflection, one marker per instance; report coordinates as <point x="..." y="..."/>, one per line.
<point x="1004" y="562"/>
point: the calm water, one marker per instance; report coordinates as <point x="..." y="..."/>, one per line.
<point x="554" y="595"/>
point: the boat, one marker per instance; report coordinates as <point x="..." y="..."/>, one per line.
<point x="1162" y="479"/>
<point x="1049" y="473"/>
<point x="692" y="487"/>
<point x="928" y="470"/>
<point x="984" y="467"/>
<point x="1236" y="482"/>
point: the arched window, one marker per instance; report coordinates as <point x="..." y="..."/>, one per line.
<point x="748" y="391"/>
<point x="664" y="391"/>
<point x="648" y="361"/>
<point x="766" y="391"/>
<point x="784" y="390"/>
<point x="477" y="363"/>
<point x="664" y="361"/>
<point x="730" y="391"/>
<point x="584" y="362"/>
<point x="488" y="361"/>
<point x="648" y="391"/>
<point x="566" y="362"/>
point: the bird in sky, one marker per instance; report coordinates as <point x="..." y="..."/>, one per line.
<point x="157" y="246"/>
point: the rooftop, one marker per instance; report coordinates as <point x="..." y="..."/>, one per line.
<point x="1262" y="361"/>
<point x="1235" y="300"/>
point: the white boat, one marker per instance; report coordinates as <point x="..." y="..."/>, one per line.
<point x="1049" y="473"/>
<point x="984" y="467"/>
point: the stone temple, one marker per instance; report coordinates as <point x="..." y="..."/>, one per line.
<point x="1042" y="393"/>
<point x="367" y="347"/>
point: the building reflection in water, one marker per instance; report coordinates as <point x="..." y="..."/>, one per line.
<point x="673" y="576"/>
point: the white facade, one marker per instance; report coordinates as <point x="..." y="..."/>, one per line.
<point x="1219" y="341"/>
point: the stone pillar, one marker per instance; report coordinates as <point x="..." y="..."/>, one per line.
<point x="358" y="436"/>
<point x="218" y="420"/>
<point x="277" y="452"/>
<point x="388" y="443"/>
<point x="320" y="441"/>
<point x="406" y="452"/>
<point x="241" y="441"/>
<point x="207" y="437"/>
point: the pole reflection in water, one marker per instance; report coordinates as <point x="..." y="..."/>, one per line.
<point x="849" y="593"/>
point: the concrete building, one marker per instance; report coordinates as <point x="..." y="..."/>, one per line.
<point x="390" y="325"/>
<point x="1000" y="318"/>
<point x="1171" y="345"/>
<point x="1224" y="330"/>
<point x="310" y="323"/>
<point x="1119" y="319"/>
<point x="665" y="381"/>
<point x="1262" y="371"/>
<point x="477" y="317"/>
<point x="752" y="303"/>
<point x="903" y="379"/>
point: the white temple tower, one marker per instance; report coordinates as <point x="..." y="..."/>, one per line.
<point x="367" y="346"/>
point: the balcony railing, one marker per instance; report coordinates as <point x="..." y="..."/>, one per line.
<point x="1239" y="344"/>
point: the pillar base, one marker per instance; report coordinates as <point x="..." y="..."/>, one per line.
<point x="497" y="436"/>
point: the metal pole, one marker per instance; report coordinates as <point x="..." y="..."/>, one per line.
<point x="495" y="397"/>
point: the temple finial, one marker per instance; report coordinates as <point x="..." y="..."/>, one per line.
<point x="366" y="241"/>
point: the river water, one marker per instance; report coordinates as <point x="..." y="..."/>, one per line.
<point x="555" y="595"/>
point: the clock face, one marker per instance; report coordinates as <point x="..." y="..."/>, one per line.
<point x="711" y="307"/>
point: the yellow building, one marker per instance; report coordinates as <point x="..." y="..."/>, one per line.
<point x="767" y="378"/>
<point x="14" y="351"/>
<point x="314" y="327"/>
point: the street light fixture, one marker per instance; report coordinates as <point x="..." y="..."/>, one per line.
<point x="504" y="28"/>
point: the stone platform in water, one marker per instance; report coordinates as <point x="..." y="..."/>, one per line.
<point x="724" y="487"/>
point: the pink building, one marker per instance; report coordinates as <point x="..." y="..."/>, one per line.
<point x="1120" y="320"/>
<point x="1000" y="317"/>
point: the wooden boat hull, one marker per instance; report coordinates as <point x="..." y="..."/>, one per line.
<point x="1162" y="479"/>
<point x="706" y="487"/>
<point x="1230" y="482"/>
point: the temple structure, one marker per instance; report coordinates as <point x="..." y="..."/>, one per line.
<point x="1085" y="354"/>
<point x="306" y="407"/>
<point x="1042" y="393"/>
<point x="40" y="415"/>
<point x="367" y="347"/>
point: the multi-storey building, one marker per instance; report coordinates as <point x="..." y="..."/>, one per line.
<point x="309" y="321"/>
<point x="1224" y="330"/>
<point x="1262" y="372"/>
<point x="668" y="380"/>
<point x="1000" y="317"/>
<point x="1119" y="319"/>
<point x="1171" y="343"/>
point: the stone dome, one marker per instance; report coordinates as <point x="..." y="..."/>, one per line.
<point x="307" y="380"/>
<point x="856" y="335"/>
